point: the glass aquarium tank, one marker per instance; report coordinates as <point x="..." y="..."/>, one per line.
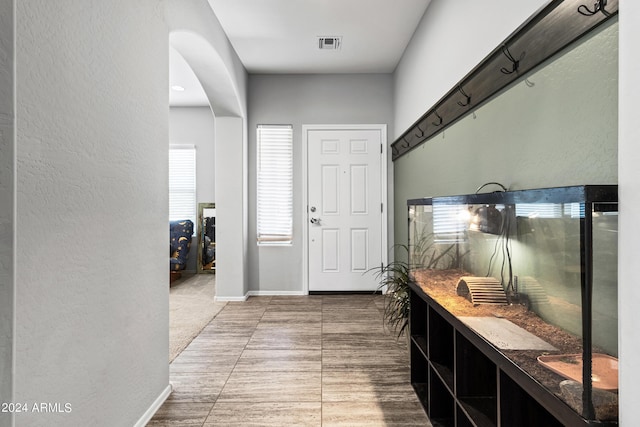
<point x="534" y="273"/>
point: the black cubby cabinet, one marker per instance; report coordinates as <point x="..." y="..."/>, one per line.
<point x="463" y="381"/>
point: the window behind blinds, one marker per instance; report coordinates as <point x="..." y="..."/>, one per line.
<point x="182" y="183"/>
<point x="275" y="184"/>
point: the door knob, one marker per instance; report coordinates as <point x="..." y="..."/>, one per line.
<point x="315" y="220"/>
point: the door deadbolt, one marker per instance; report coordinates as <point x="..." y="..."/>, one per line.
<point x="312" y="209"/>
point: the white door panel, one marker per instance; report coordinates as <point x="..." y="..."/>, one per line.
<point x="344" y="208"/>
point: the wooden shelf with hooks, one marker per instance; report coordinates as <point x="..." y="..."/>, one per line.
<point x="546" y="33"/>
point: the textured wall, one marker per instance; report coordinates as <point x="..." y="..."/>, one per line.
<point x="298" y="100"/>
<point x="7" y="193"/>
<point x="561" y="131"/>
<point x="92" y="178"/>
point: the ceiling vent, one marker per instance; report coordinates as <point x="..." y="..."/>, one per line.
<point x="329" y="43"/>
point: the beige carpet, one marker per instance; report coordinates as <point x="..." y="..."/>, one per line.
<point x="191" y="308"/>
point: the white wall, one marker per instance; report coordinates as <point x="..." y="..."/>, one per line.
<point x="452" y="38"/>
<point x="198" y="36"/>
<point x="629" y="244"/>
<point x="196" y="126"/>
<point x="7" y="206"/>
<point x="298" y="100"/>
<point x="92" y="175"/>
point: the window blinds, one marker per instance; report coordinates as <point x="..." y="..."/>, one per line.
<point x="182" y="183"/>
<point x="275" y="184"/>
<point x="550" y="210"/>
<point x="450" y="223"/>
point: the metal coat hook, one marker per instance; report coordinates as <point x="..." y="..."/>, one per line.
<point x="421" y="132"/>
<point x="439" y="119"/>
<point x="515" y="63"/>
<point x="466" y="96"/>
<point x="406" y="143"/>
<point x="394" y="150"/>
<point x="598" y="6"/>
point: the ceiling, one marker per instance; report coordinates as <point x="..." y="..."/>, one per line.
<point x="281" y="37"/>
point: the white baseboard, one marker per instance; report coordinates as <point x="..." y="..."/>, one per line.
<point x="275" y="293"/>
<point x="149" y="413"/>
<point x="260" y="294"/>
<point x="228" y="299"/>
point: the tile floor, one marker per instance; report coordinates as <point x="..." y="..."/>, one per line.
<point x="293" y="361"/>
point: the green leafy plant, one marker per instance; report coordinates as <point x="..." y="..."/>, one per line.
<point x="393" y="280"/>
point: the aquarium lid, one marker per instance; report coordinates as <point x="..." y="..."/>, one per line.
<point x="420" y="202"/>
<point x="571" y="194"/>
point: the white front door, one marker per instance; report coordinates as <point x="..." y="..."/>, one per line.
<point x="344" y="207"/>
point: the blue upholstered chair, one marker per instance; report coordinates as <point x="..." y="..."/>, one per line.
<point x="180" y="233"/>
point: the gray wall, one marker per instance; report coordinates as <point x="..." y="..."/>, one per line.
<point x="196" y="126"/>
<point x="92" y="141"/>
<point x="7" y="206"/>
<point x="298" y="100"/>
<point x="231" y="218"/>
